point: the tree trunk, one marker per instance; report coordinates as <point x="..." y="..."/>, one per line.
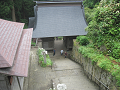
<point x="13" y="13"/>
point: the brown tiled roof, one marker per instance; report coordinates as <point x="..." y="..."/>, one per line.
<point x="21" y="62"/>
<point x="10" y="34"/>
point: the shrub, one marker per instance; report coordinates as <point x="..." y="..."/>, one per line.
<point x="43" y="64"/>
<point x="116" y="50"/>
<point x="83" y="40"/>
<point x="41" y="58"/>
<point x="89" y="14"/>
<point x="78" y="38"/>
<point x="47" y="56"/>
<point x="24" y="21"/>
<point x="102" y="61"/>
<point x="49" y="62"/>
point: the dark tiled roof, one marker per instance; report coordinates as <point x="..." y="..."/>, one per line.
<point x="52" y="1"/>
<point x="59" y="20"/>
<point x="21" y="62"/>
<point x="10" y="33"/>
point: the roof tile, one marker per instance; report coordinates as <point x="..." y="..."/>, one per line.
<point x="7" y="39"/>
<point x="21" y="62"/>
<point x="59" y="20"/>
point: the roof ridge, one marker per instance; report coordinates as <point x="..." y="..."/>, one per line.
<point x="5" y="60"/>
<point x="11" y="21"/>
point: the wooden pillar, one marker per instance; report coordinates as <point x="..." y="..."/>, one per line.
<point x="36" y="41"/>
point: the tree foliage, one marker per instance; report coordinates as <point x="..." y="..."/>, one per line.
<point x="104" y="28"/>
<point x="90" y="3"/>
<point x="5" y="9"/>
<point x="23" y="10"/>
<point x="83" y="40"/>
<point x="89" y="14"/>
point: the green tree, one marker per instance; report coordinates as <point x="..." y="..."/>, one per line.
<point x="104" y="29"/>
<point x="17" y="10"/>
<point x="5" y="9"/>
<point x="90" y="3"/>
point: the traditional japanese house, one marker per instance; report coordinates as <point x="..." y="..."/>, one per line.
<point x="15" y="43"/>
<point x="56" y="19"/>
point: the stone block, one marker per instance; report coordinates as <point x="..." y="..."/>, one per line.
<point x="97" y="82"/>
<point x="80" y="58"/>
<point x="109" y="79"/>
<point x="90" y="76"/>
<point x="98" y="74"/>
<point x="83" y="60"/>
<point x="90" y="67"/>
<point x="93" y="78"/>
<point x="103" y="77"/>
<point x="79" y="61"/>
<point x="102" y="86"/>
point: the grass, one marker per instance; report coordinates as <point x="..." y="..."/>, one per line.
<point x="41" y="59"/>
<point x="33" y="43"/>
<point x="104" y="62"/>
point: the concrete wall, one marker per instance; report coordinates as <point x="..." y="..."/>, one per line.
<point x="101" y="77"/>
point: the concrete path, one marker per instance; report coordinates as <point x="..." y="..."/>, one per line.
<point x="63" y="71"/>
<point x="69" y="72"/>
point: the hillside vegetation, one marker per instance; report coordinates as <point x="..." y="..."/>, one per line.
<point x="103" y="36"/>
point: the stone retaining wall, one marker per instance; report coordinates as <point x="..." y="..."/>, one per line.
<point x="101" y="77"/>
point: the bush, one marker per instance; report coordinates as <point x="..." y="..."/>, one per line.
<point x="78" y="39"/>
<point x="49" y="62"/>
<point x="24" y="21"/>
<point x="83" y="40"/>
<point x="41" y="59"/>
<point x="101" y="60"/>
<point x="116" y="50"/>
<point x="89" y="14"/>
<point x="103" y="27"/>
<point x="47" y="56"/>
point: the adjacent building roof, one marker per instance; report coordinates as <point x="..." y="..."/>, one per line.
<point x="59" y="19"/>
<point x="10" y="33"/>
<point x="20" y="44"/>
